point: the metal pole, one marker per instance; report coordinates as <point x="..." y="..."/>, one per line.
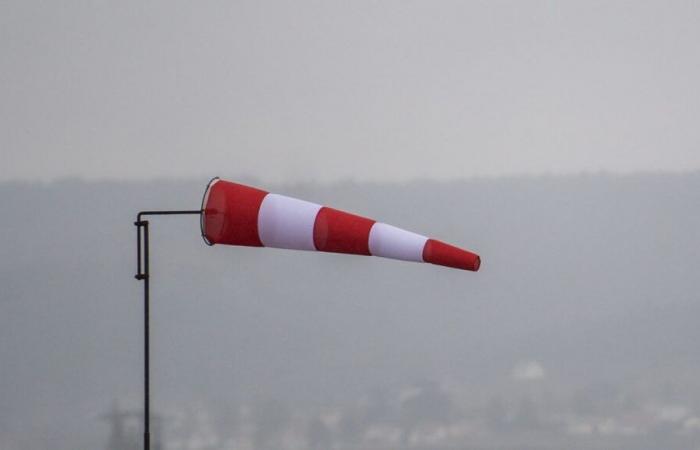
<point x="143" y="247"/>
<point x="146" y="342"/>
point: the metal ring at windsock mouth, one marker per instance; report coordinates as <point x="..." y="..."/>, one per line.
<point x="205" y="197"/>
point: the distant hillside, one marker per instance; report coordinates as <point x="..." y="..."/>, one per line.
<point x="595" y="276"/>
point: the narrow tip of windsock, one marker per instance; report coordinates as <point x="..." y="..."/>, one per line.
<point x="442" y="254"/>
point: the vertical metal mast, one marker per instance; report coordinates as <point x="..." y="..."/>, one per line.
<point x="143" y="274"/>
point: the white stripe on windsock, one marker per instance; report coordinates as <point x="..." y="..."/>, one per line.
<point x="286" y="222"/>
<point x="393" y="242"/>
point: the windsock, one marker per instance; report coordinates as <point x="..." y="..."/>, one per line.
<point x="236" y="214"/>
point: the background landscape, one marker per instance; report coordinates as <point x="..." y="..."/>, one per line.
<point x="559" y="140"/>
<point x="579" y="332"/>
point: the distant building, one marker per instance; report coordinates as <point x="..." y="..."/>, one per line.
<point x="126" y="430"/>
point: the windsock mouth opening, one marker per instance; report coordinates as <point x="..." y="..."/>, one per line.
<point x="203" y="216"/>
<point x="476" y="264"/>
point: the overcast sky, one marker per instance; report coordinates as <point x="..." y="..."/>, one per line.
<point x="385" y="90"/>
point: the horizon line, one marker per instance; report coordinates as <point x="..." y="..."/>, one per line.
<point x="254" y="179"/>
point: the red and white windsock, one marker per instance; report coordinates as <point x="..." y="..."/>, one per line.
<point x="236" y="214"/>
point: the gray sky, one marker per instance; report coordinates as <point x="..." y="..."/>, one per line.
<point x="292" y="91"/>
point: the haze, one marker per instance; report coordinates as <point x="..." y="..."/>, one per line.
<point x="382" y="91"/>
<point x="559" y="140"/>
<point x="579" y="331"/>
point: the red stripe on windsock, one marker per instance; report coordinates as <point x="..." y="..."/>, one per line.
<point x="231" y="214"/>
<point x="341" y="232"/>
<point x="437" y="252"/>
